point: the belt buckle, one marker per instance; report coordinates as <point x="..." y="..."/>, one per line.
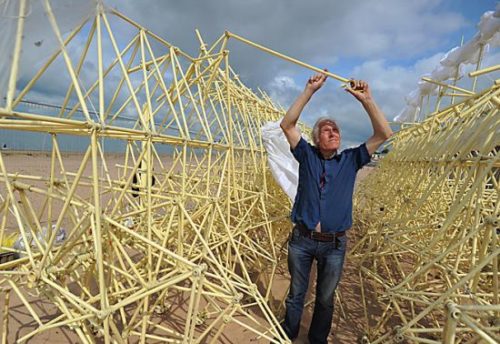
<point x="321" y="237"/>
<point x="314" y="235"/>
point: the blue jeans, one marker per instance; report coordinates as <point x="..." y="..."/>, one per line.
<point x="330" y="260"/>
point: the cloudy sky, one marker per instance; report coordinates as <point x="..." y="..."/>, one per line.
<point x="389" y="43"/>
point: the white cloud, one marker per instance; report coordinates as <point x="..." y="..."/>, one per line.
<point x="282" y="89"/>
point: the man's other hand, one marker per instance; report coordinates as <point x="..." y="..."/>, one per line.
<point x="360" y="90"/>
<point x="315" y="82"/>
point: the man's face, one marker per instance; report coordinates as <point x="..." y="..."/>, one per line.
<point x="329" y="137"/>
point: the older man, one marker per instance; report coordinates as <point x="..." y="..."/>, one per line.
<point x="322" y="212"/>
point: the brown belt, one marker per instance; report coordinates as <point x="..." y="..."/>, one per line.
<point x="318" y="236"/>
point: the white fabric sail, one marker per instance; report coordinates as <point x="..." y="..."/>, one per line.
<point x="284" y="167"/>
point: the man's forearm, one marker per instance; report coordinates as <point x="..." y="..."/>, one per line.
<point x="293" y="113"/>
<point x="289" y="122"/>
<point x="381" y="128"/>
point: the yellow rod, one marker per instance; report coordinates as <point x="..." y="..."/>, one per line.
<point x="286" y="58"/>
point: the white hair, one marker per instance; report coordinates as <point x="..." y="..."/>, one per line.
<point x="317" y="126"/>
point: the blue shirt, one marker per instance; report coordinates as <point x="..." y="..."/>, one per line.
<point x="325" y="189"/>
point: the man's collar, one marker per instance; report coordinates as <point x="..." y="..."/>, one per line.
<point x="330" y="157"/>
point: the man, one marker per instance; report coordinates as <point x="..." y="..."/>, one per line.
<point x="322" y="212"/>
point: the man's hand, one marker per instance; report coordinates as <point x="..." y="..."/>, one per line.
<point x="315" y="82"/>
<point x="360" y="90"/>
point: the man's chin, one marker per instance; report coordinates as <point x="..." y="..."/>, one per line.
<point x="331" y="147"/>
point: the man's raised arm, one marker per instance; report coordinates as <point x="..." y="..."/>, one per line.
<point x="289" y="122"/>
<point x="381" y="129"/>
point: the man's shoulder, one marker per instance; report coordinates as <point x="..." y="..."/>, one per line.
<point x="359" y="155"/>
<point x="353" y="152"/>
<point x="303" y="151"/>
<point x="305" y="145"/>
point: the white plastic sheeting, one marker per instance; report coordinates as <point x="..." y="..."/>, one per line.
<point x="284" y="167"/>
<point x="38" y="40"/>
<point x="450" y="66"/>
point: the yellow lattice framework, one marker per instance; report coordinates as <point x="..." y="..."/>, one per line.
<point x="189" y="219"/>
<point x="187" y="214"/>
<point x="429" y="219"/>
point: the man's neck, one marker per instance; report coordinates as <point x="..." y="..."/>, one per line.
<point x="327" y="155"/>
